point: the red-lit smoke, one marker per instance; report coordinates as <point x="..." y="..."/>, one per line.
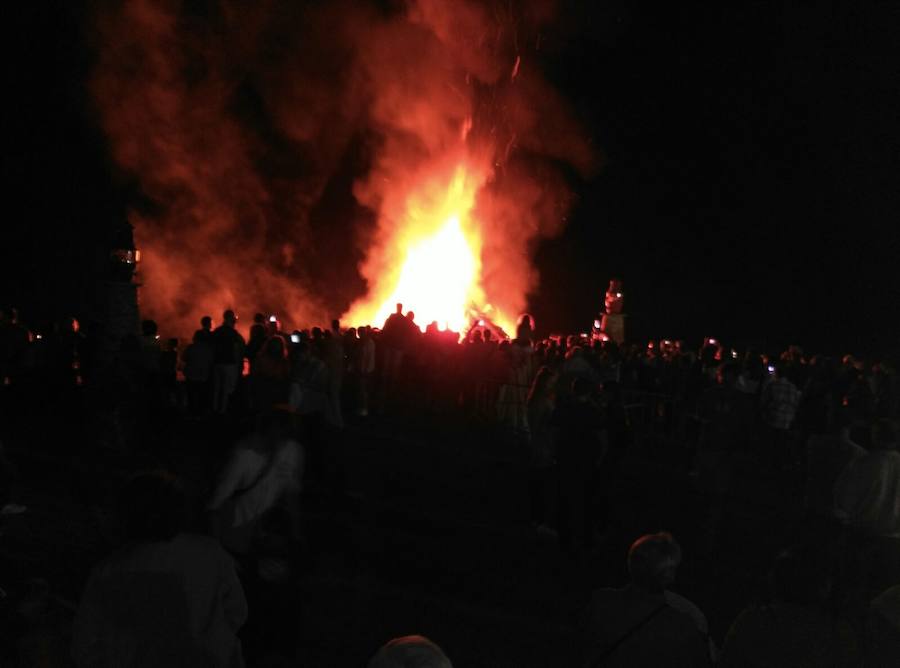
<point x="236" y="121"/>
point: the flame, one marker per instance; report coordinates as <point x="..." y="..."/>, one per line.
<point x="436" y="252"/>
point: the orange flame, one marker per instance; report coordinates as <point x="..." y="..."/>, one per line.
<point x="433" y="259"/>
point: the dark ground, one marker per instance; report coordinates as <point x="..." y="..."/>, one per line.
<point x="430" y="535"/>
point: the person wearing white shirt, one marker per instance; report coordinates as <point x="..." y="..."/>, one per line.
<point x="265" y="470"/>
<point x="867" y="493"/>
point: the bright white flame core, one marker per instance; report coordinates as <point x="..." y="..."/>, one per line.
<point x="437" y="279"/>
<point x="436" y="258"/>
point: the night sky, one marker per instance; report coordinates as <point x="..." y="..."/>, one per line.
<point x="748" y="187"/>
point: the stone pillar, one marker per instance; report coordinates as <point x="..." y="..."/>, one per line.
<point x="120" y="318"/>
<point x="119" y="294"/>
<point x="613" y="325"/>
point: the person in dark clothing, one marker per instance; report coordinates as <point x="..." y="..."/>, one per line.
<point x="393" y="343"/>
<point x="796" y="627"/>
<point x="228" y="346"/>
<point x="391" y="331"/>
<point x="258" y="336"/>
<point x="542" y="471"/>
<point x="616" y="424"/>
<point x="726" y="415"/>
<point x="205" y="327"/>
<point x="581" y="444"/>
<point x="270" y="376"/>
<point x="166" y="597"/>
<point x="198" y="363"/>
<point x="645" y="623"/>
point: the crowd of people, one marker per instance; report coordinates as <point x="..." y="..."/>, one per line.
<point x="573" y="406"/>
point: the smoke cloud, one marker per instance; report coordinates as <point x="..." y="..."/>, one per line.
<point x="274" y="143"/>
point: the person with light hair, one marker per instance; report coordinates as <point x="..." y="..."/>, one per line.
<point x="410" y="652"/>
<point x="645" y="624"/>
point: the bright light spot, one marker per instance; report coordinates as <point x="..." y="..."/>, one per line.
<point x="437" y="278"/>
<point x="438" y="271"/>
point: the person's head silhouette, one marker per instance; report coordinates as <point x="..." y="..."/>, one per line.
<point x="410" y="652"/>
<point x="653" y="560"/>
<point x="152" y="507"/>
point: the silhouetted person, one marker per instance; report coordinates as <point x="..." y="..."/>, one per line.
<point x="309" y="394"/>
<point x="391" y="331"/>
<point x="393" y="341"/>
<point x="333" y="350"/>
<point x="270" y="376"/>
<point x="515" y="386"/>
<point x="366" y="368"/>
<point x="198" y="365"/>
<point x="616" y="425"/>
<point x="540" y="405"/>
<point x="827" y="456"/>
<point x="859" y="401"/>
<point x="867" y="501"/>
<point x="778" y="404"/>
<point x="166" y="598"/>
<point x="575" y="366"/>
<point x="228" y="345"/>
<point x="580" y="445"/>
<point x="273" y="326"/>
<point x="727" y="418"/>
<point x="205" y="326"/>
<point x="412" y="333"/>
<point x="258" y="336"/>
<point x="525" y="328"/>
<point x="645" y="624"/>
<point x="410" y="652"/>
<point x="795" y="628"/>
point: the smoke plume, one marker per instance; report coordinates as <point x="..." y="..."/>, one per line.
<point x="275" y="142"/>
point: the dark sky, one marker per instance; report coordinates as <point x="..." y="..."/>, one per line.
<point x="749" y="186"/>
